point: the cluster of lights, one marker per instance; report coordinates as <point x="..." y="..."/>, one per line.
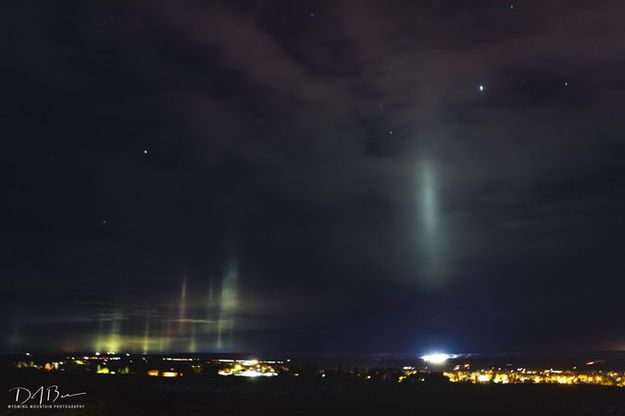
<point x="526" y="376"/>
<point x="247" y="368"/>
<point x="253" y="368"/>
<point x="166" y="374"/>
<point x="409" y="371"/>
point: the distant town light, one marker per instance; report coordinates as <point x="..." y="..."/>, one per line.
<point x="102" y="370"/>
<point x="483" y="378"/>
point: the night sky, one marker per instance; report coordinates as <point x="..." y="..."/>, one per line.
<point x="320" y="177"/>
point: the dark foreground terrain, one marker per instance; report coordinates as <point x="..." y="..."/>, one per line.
<point x="138" y="395"/>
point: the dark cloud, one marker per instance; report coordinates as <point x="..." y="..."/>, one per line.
<point x="341" y="152"/>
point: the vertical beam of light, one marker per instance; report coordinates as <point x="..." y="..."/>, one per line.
<point x="146" y="336"/>
<point x="430" y="233"/>
<point x="192" y="339"/>
<point x="429" y="202"/>
<point x="228" y="306"/>
<point x="182" y="312"/>
<point x="99" y="343"/>
<point x="113" y="343"/>
<point x="180" y="321"/>
<point x="210" y="304"/>
<point x="210" y="311"/>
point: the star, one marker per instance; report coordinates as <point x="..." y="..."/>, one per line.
<point x="566" y="83"/>
<point x="481" y="88"/>
<point x="390" y="132"/>
<point x="104" y="222"/>
<point x="145" y="151"/>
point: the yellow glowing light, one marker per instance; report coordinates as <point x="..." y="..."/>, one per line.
<point x="170" y="374"/>
<point x="102" y="370"/>
<point x="501" y="379"/>
<point x="153" y="373"/>
<point x="550" y="376"/>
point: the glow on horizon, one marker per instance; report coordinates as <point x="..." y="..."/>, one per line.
<point x="180" y="326"/>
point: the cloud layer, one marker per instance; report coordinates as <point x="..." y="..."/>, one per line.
<point x="374" y="198"/>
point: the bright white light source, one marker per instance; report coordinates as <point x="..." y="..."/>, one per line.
<point x="483" y="378"/>
<point x="481" y="88"/>
<point x="436" y="358"/>
<point x="255" y="373"/>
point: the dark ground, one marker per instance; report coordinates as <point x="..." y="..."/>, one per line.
<point x="138" y="395"/>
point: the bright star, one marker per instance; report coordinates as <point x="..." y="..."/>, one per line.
<point x="481" y="88"/>
<point x="145" y="151"/>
